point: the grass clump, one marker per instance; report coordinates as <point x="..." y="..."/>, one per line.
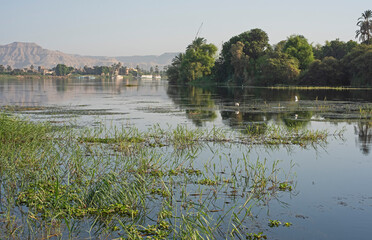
<point x="16" y="132"/>
<point x="121" y="182"/>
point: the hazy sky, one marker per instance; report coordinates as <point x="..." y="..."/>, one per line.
<point x="142" y="27"/>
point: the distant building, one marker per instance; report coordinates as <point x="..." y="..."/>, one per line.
<point x="150" y="77"/>
<point x="146" y="77"/>
<point x="44" y="71"/>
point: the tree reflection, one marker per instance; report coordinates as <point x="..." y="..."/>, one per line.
<point x="62" y="84"/>
<point x="364" y="132"/>
<point x="197" y="102"/>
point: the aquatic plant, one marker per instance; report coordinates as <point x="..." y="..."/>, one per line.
<point x="57" y="180"/>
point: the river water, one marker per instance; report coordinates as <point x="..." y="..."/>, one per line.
<point x="332" y="197"/>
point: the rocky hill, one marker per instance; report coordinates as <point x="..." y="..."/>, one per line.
<point x="22" y="55"/>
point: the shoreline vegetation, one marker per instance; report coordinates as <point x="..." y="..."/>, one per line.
<point x="63" y="71"/>
<point x="249" y="60"/>
<point x="125" y="183"/>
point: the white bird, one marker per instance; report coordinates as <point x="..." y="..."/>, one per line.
<point x="296" y="99"/>
<point x="236" y="104"/>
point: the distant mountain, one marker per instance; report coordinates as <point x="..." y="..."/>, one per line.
<point x="22" y="55"/>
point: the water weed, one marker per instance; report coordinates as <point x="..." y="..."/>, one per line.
<point x="121" y="182"/>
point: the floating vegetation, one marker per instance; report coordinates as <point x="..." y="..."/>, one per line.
<point x="256" y="236"/>
<point x="125" y="183"/>
<point x="158" y="109"/>
<point x="285" y="187"/>
<point x="274" y="223"/>
<point x="287" y="224"/>
<point x="58" y="111"/>
<point x="15" y="108"/>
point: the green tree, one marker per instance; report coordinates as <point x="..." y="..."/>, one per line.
<point x="173" y="71"/>
<point x="327" y="72"/>
<point x="2" y="68"/>
<point x="358" y="65"/>
<point x="63" y="70"/>
<point x="364" y="32"/>
<point x="255" y="42"/>
<point x="277" y="68"/>
<point x="298" y="47"/>
<point x="279" y="46"/>
<point x="197" y="62"/>
<point x="255" y="45"/>
<point x="336" y="48"/>
<point x="239" y="60"/>
<point x="101" y="70"/>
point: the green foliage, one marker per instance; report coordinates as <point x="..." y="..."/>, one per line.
<point x="328" y="72"/>
<point x="277" y="68"/>
<point x="279" y="46"/>
<point x="207" y="181"/>
<point x="358" y="65"/>
<point x="239" y="55"/>
<point x="287" y="224"/>
<point x="197" y="62"/>
<point x="256" y="236"/>
<point x="284" y="186"/>
<point x="63" y="70"/>
<point x="336" y="48"/>
<point x="364" y="33"/>
<point x="298" y="47"/>
<point x="255" y="42"/>
<point x="239" y="60"/>
<point x="97" y="70"/>
<point x="249" y="59"/>
<point x="274" y="223"/>
<point x="173" y="71"/>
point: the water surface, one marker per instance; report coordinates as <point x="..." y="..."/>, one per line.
<point x="332" y="198"/>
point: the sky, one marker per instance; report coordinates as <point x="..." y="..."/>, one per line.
<point x="153" y="27"/>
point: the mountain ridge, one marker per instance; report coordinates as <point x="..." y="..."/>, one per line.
<point x="25" y="54"/>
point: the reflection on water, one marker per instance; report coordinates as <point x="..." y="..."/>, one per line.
<point x="240" y="108"/>
<point x="331" y="198"/>
<point x="196" y="102"/>
<point x="147" y="102"/>
<point x="364" y="132"/>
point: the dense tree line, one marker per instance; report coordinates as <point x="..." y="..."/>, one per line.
<point x="64" y="70"/>
<point x="249" y="59"/>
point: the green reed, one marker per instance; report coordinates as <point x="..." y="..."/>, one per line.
<point x="122" y="182"/>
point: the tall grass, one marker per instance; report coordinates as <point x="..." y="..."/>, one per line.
<point x="122" y="182"/>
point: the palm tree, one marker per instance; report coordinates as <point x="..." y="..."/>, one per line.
<point x="177" y="60"/>
<point x="365" y="27"/>
<point x="197" y="43"/>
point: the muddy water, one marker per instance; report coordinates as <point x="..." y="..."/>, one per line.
<point x="332" y="198"/>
